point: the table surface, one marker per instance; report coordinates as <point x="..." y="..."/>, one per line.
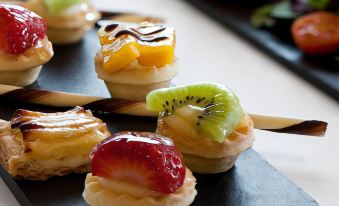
<point x="209" y="52"/>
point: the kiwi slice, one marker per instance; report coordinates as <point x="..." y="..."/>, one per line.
<point x="56" y="6"/>
<point x="213" y="109"/>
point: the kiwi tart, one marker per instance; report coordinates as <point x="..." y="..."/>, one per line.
<point x="206" y="122"/>
<point x="67" y="20"/>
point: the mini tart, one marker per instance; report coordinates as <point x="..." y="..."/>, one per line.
<point x="202" y="155"/>
<point x="23" y="69"/>
<point x="134" y="61"/>
<point x="36" y="145"/>
<point x="135" y="81"/>
<point x="96" y="194"/>
<point x="68" y="26"/>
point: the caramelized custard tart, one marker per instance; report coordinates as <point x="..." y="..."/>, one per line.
<point x="36" y="146"/>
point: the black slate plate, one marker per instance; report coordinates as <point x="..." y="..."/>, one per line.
<point x="252" y="182"/>
<point x="322" y="72"/>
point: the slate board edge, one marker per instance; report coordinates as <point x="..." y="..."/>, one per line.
<point x="242" y="31"/>
<point x="19" y="195"/>
<point x="287" y="178"/>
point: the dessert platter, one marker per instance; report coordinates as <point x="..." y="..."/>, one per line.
<point x="102" y="125"/>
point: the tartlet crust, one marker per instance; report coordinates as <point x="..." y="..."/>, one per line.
<point x="134" y="82"/>
<point x="66" y="27"/>
<point x="202" y="155"/>
<point x="96" y="194"/>
<point x="239" y="140"/>
<point x="84" y="18"/>
<point x="136" y="74"/>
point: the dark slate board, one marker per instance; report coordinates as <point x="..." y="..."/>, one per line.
<point x="252" y="182"/>
<point x="322" y="72"/>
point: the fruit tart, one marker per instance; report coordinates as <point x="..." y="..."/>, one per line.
<point x="67" y="20"/>
<point x="206" y="123"/>
<point x="138" y="169"/>
<point x="135" y="61"/>
<point x="36" y="146"/>
<point x="24" y="46"/>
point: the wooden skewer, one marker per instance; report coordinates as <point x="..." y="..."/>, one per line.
<point x="138" y="108"/>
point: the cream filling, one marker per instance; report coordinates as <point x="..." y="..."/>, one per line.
<point x="134" y="73"/>
<point x="139" y="191"/>
<point x="183" y="132"/>
<point x="128" y="188"/>
<point x="38" y="55"/>
<point x="79" y="146"/>
<point x="49" y="163"/>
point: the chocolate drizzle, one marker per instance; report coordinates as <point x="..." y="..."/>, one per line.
<point x="152" y="32"/>
<point x="138" y="35"/>
<point x="126" y="32"/>
<point x="312" y="128"/>
<point x="111" y="27"/>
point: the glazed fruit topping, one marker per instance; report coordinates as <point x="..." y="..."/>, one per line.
<point x="149" y="44"/>
<point x="205" y="110"/>
<point x="20" y="29"/>
<point x="146" y="159"/>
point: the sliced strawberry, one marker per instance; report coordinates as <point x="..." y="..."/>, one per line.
<point x="3" y="41"/>
<point x="20" y="29"/>
<point x="142" y="158"/>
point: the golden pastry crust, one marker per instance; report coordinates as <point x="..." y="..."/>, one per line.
<point x="20" y="78"/>
<point x="134" y="82"/>
<point x="38" y="55"/>
<point x="136" y="74"/>
<point x="37" y="145"/>
<point x="241" y="139"/>
<point x="209" y="165"/>
<point x="96" y="194"/>
<point x="66" y="36"/>
<point x="85" y="16"/>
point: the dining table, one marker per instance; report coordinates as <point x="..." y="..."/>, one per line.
<point x="206" y="51"/>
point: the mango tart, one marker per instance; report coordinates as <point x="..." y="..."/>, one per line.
<point x="136" y="61"/>
<point x="149" y="44"/>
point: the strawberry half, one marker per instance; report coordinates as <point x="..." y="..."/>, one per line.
<point x="142" y="158"/>
<point x="20" y="29"/>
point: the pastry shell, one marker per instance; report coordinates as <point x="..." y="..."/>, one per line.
<point x="96" y="194"/>
<point x="135" y="82"/>
<point x="202" y="155"/>
<point x="20" y="78"/>
<point x="23" y="69"/>
<point x="66" y="28"/>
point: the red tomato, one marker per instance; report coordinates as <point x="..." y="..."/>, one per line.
<point x="317" y="33"/>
